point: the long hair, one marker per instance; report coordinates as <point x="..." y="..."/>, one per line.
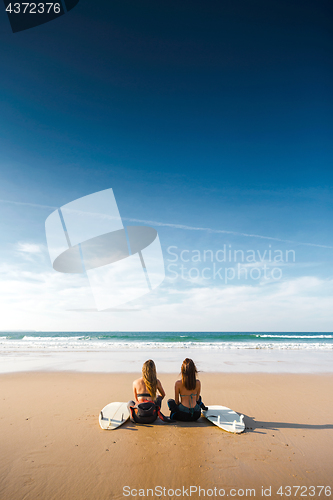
<point x="189" y="372"/>
<point x="149" y="377"/>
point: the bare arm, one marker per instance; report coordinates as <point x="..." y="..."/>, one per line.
<point x="198" y="389"/>
<point x="135" y="391"/>
<point x="160" y="389"/>
<point x="177" y="388"/>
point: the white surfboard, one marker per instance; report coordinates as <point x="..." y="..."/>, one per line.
<point x="225" y="418"/>
<point x="113" y="415"/>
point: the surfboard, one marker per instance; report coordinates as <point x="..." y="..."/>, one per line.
<point x="225" y="418"/>
<point x="113" y="415"/>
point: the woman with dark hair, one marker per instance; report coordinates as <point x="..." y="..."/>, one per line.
<point x="146" y="407"/>
<point x="187" y="403"/>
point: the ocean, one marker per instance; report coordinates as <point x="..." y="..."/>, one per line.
<point x="165" y="340"/>
<point x="126" y="351"/>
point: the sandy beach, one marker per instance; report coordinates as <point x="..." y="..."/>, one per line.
<point x="53" y="448"/>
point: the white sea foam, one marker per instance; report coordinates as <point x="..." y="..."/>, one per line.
<point x="51" y="339"/>
<point x="279" y="336"/>
<point x="84" y="343"/>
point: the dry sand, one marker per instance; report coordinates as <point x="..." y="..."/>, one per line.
<point x="53" y="448"/>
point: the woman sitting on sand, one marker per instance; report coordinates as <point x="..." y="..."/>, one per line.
<point x="188" y="390"/>
<point x="146" y="407"/>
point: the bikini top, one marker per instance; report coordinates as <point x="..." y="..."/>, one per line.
<point x="143" y="395"/>
<point x="190" y="396"/>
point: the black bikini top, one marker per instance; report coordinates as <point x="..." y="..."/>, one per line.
<point x="144" y="395"/>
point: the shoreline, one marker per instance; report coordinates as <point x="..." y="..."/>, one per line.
<point x="53" y="447"/>
<point x="168" y="360"/>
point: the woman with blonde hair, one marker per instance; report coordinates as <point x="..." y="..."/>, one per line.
<point x="187" y="404"/>
<point x="147" y="405"/>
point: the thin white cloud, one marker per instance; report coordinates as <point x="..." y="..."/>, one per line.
<point x="26" y="204"/>
<point x="184" y="227"/>
<point x="222" y="231"/>
<point x="30" y="248"/>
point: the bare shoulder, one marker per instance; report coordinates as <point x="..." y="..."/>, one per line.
<point x="198" y="384"/>
<point x="178" y="383"/>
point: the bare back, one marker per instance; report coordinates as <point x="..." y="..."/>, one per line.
<point x="139" y="387"/>
<point x="187" y="397"/>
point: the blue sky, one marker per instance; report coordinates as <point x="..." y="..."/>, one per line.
<point x="215" y="115"/>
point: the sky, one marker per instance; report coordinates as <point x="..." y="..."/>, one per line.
<point x="211" y="121"/>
